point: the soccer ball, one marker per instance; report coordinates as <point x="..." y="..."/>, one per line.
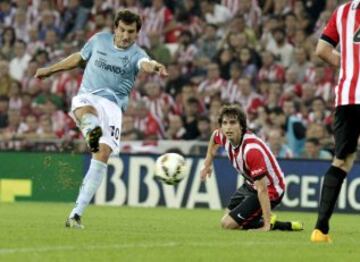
<point x="170" y="168"/>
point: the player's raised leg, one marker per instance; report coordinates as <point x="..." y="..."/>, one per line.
<point x="89" y="125"/>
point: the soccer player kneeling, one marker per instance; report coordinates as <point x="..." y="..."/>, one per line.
<point x="250" y="206"/>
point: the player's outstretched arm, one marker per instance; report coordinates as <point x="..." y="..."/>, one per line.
<point x="68" y="63"/>
<point x="152" y="66"/>
<point x="206" y="169"/>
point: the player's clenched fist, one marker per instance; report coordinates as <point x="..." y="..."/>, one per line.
<point x="42" y="72"/>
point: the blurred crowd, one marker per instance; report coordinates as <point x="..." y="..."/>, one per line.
<point x="257" y="53"/>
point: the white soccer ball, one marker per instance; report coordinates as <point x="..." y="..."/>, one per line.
<point x="170" y="168"/>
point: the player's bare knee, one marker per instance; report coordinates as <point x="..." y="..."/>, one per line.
<point x="344" y="164"/>
<point x="79" y="112"/>
<point x="103" y="154"/>
<point x="227" y="222"/>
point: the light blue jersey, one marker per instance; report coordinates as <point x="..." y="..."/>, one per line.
<point x="110" y="71"/>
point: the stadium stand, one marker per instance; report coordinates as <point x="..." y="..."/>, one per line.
<point x="258" y="53"/>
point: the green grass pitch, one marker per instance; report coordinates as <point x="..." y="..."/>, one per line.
<point x="35" y="232"/>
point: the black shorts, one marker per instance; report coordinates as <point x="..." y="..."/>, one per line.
<point x="346" y="130"/>
<point x="245" y="207"/>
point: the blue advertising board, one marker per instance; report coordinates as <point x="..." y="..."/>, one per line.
<point x="130" y="182"/>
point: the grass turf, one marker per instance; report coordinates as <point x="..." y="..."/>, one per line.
<point x="35" y="232"/>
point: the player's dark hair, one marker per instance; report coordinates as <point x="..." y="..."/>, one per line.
<point x="128" y="17"/>
<point x="233" y="110"/>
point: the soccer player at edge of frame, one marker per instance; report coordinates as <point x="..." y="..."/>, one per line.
<point x="343" y="27"/>
<point x="112" y="63"/>
<point x="250" y="206"/>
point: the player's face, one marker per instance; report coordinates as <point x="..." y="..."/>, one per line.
<point x="125" y="34"/>
<point x="230" y="126"/>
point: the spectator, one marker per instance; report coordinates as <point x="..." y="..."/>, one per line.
<point x="292" y="86"/>
<point x="74" y="17"/>
<point x="321" y="133"/>
<point x="7" y="12"/>
<point x="45" y="128"/>
<point x="20" y="62"/>
<point x="270" y="70"/>
<point x="248" y="66"/>
<point x="300" y="63"/>
<point x="293" y="127"/>
<point x="176" y="129"/>
<point x="282" y="49"/>
<point x="276" y="143"/>
<point x="313" y="150"/>
<point x="186" y="52"/>
<point x="52" y="45"/>
<point x="212" y="85"/>
<point x="215" y="13"/>
<point x="159" y="18"/>
<point x="15" y="101"/>
<point x="238" y="25"/>
<point x="319" y="113"/>
<point x="290" y="27"/>
<point x="252" y="14"/>
<point x="128" y="130"/>
<point x="302" y="15"/>
<point x="26" y="105"/>
<point x="190" y="118"/>
<point x="20" y="25"/>
<point x="8" y="38"/>
<point x="224" y="59"/>
<point x="203" y="125"/>
<point x="175" y="81"/>
<point x="146" y="123"/>
<point x="158" y="102"/>
<point x="228" y="50"/>
<point x="247" y="97"/>
<point x="230" y="90"/>
<point x="27" y="129"/>
<point x="209" y="42"/>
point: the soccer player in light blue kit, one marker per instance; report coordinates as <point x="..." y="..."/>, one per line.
<point x="112" y="63"/>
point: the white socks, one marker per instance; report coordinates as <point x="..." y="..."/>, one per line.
<point x="88" y="122"/>
<point x="91" y="183"/>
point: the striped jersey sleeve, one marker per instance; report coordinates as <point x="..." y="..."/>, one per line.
<point x="219" y="138"/>
<point x="330" y="33"/>
<point x="255" y="163"/>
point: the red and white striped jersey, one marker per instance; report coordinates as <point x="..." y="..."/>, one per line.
<point x="274" y="73"/>
<point x="210" y="86"/>
<point x="160" y="106"/>
<point x="344" y="28"/>
<point x="156" y="20"/>
<point x="186" y="54"/>
<point x="253" y="159"/>
<point x="250" y="102"/>
<point x="228" y="93"/>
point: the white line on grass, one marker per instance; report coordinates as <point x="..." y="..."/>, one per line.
<point x="4" y="251"/>
<point x="70" y="248"/>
